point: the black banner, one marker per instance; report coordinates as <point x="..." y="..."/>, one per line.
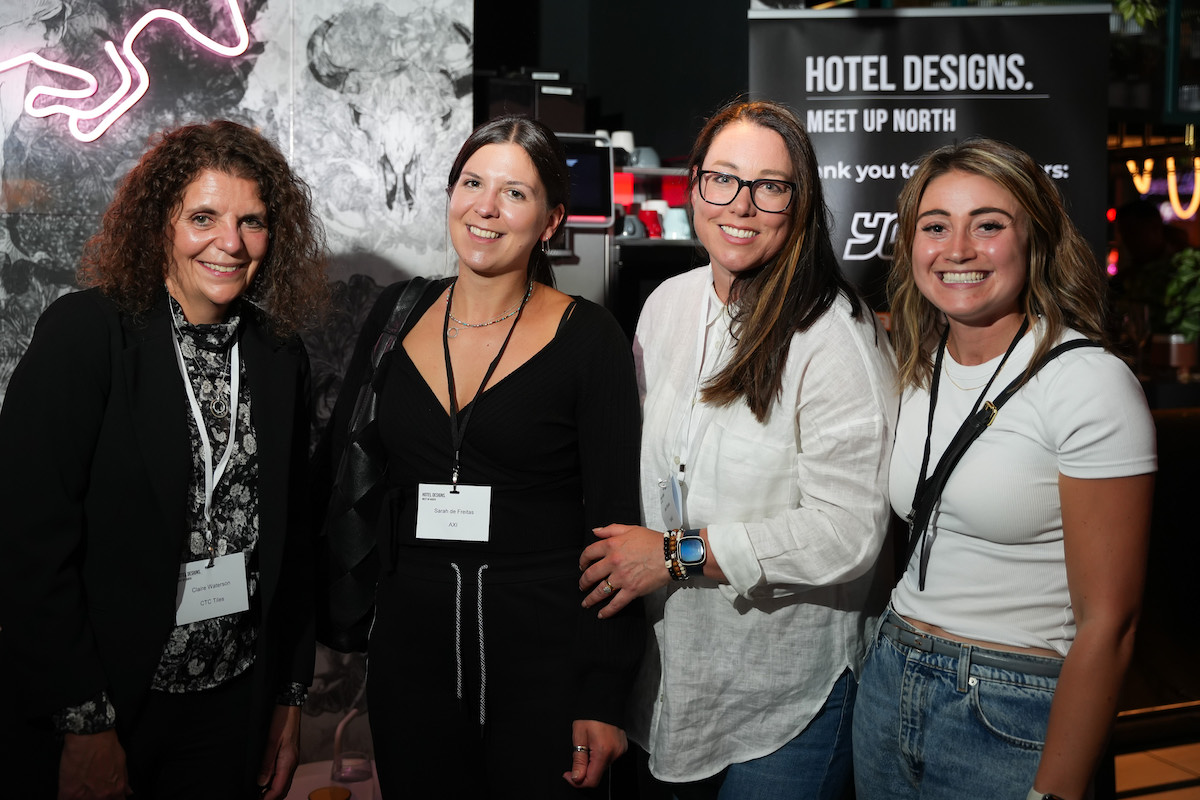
<point x="877" y="89"/>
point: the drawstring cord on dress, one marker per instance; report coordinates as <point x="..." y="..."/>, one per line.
<point x="458" y="662"/>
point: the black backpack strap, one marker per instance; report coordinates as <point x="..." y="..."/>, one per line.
<point x="968" y="432"/>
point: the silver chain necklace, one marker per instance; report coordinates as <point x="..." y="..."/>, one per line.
<point x="452" y="332"/>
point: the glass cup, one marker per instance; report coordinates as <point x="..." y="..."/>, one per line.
<point x="352" y="769"/>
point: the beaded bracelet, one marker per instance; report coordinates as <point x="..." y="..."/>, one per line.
<point x="671" y="555"/>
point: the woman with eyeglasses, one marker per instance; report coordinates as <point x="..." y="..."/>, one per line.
<point x="768" y="409"/>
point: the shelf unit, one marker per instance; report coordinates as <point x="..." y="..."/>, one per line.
<point x="620" y="271"/>
<point x="647" y="184"/>
<point x="640" y="263"/>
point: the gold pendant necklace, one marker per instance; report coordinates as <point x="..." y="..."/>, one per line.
<point x="957" y="385"/>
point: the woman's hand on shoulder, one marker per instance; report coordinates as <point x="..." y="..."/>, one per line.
<point x="604" y="744"/>
<point x="625" y="564"/>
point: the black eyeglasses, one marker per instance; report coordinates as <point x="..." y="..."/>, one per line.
<point x="768" y="194"/>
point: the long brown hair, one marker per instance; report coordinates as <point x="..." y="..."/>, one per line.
<point x="549" y="159"/>
<point x="1064" y="284"/>
<point x="128" y="258"/>
<point x="791" y="291"/>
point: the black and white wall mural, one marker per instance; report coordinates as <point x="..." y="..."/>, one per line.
<point x="368" y="99"/>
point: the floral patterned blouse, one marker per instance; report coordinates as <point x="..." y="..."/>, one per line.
<point x="205" y="654"/>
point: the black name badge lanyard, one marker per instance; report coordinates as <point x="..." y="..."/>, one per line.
<point x="930" y="488"/>
<point x="458" y="428"/>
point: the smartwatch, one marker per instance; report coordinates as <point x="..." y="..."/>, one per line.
<point x="692" y="553"/>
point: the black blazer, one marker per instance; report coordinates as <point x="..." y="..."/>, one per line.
<point x="94" y="468"/>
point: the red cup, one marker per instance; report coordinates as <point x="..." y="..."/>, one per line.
<point x="649" y="218"/>
<point x="623" y="189"/>
<point x="674" y="190"/>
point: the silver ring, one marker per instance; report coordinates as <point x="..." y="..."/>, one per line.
<point x="607" y="587"/>
<point x="579" y="748"/>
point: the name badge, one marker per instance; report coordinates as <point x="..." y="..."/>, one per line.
<point x="670" y="498"/>
<point x="462" y="516"/>
<point x="206" y="592"/>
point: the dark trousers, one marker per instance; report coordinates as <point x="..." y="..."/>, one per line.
<point x="193" y="746"/>
<point x="183" y="747"/>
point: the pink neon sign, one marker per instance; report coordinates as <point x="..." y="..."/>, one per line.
<point x="126" y="95"/>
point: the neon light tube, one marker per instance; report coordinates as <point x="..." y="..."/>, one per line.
<point x="1173" y="190"/>
<point x="127" y="94"/>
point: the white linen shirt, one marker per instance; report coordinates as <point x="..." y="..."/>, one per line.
<point x="796" y="510"/>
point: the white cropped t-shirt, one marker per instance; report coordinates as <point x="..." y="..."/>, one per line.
<point x="996" y="569"/>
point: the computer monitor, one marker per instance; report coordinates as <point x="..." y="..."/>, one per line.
<point x="590" y="162"/>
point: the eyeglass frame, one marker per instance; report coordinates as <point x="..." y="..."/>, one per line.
<point x="795" y="187"/>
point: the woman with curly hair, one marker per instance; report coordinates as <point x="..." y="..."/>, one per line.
<point x="155" y="605"/>
<point x="996" y="670"/>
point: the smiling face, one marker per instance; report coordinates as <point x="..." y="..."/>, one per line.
<point x="739" y="237"/>
<point x="218" y="239"/>
<point x="970" y="253"/>
<point x="498" y="210"/>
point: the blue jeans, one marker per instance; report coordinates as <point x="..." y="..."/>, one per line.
<point x="813" y="766"/>
<point x="940" y="727"/>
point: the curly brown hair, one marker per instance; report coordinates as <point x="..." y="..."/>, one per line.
<point x="127" y="259"/>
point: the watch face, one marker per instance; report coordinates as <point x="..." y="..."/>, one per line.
<point x="691" y="550"/>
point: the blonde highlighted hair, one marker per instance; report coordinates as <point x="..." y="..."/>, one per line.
<point x="1064" y="285"/>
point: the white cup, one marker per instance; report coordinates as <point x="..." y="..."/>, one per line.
<point x="676" y="225"/>
<point x="623" y="140"/>
<point x="601" y="135"/>
<point x="661" y="206"/>
<point x="645" y="157"/>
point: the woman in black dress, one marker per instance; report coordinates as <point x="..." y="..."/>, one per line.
<point x="508" y="413"/>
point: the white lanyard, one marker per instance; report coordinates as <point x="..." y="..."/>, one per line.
<point x="211" y="477"/>
<point x="697" y="422"/>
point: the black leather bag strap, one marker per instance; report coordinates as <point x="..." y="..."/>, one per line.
<point x="353" y="560"/>
<point x="364" y="405"/>
<point x="361" y="466"/>
<point x="968" y="432"/>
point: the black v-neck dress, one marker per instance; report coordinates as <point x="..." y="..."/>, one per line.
<point x="481" y="655"/>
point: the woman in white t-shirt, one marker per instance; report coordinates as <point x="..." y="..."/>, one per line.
<point x="996" y="671"/>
